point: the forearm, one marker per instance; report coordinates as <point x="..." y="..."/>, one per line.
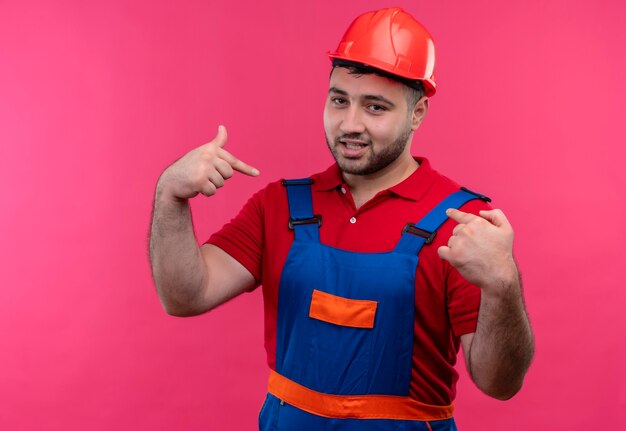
<point x="503" y="346"/>
<point x="177" y="266"/>
<point x="180" y="270"/>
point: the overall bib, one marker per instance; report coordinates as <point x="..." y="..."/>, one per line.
<point x="344" y="340"/>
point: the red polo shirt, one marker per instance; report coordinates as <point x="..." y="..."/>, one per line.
<point x="446" y="305"/>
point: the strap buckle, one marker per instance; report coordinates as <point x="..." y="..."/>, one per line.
<point x="478" y="195"/>
<point x="297" y="182"/>
<point x="412" y="229"/>
<point x="297" y="222"/>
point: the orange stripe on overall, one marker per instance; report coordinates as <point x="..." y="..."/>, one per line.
<point x="354" y="406"/>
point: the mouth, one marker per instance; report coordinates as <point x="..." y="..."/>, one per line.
<point x="352" y="148"/>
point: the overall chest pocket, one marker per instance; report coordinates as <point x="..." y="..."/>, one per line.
<point x="342" y="311"/>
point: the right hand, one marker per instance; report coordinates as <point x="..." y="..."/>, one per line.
<point x="202" y="170"/>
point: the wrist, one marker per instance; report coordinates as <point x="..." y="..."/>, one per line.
<point x="164" y="194"/>
<point x="504" y="278"/>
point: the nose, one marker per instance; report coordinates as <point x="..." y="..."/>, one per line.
<point x="352" y="121"/>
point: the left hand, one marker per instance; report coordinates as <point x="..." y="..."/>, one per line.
<point x="481" y="248"/>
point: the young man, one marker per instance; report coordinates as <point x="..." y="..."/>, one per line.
<point x="371" y="277"/>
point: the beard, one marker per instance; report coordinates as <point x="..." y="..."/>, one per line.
<point x="375" y="161"/>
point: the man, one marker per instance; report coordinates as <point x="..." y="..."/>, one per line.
<point x="365" y="309"/>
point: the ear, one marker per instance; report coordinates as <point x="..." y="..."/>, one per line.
<point x="419" y="113"/>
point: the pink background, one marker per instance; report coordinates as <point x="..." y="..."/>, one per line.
<point x="97" y="99"/>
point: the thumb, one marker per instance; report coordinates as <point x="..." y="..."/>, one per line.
<point x="444" y="252"/>
<point x="221" y="137"/>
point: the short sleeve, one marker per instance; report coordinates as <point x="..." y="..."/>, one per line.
<point x="242" y="237"/>
<point x="463" y="303"/>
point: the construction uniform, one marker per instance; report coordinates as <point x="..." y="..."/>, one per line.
<point x="358" y="336"/>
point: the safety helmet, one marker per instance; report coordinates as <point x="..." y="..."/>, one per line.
<point x="393" y="41"/>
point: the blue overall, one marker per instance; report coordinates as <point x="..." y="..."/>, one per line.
<point x="332" y="358"/>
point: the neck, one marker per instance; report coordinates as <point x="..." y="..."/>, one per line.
<point x="365" y="187"/>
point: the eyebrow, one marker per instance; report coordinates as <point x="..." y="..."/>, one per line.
<point x="374" y="97"/>
<point x="338" y="91"/>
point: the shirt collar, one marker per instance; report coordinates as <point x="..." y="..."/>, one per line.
<point x="413" y="187"/>
<point x="328" y="180"/>
<point x="418" y="183"/>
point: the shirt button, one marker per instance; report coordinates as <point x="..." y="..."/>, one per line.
<point x="343" y="190"/>
<point x="353" y="220"/>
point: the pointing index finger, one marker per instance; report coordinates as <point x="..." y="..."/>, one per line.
<point x="245" y="168"/>
<point x="460" y="216"/>
<point x="237" y="164"/>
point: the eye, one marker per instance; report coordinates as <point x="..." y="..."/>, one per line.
<point x="338" y="101"/>
<point x="376" y="108"/>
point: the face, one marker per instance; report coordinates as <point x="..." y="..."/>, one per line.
<point x="368" y="123"/>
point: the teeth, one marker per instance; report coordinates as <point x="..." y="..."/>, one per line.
<point x="354" y="146"/>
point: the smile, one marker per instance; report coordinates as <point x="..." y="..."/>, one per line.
<point x="353" y="143"/>
<point x="353" y="148"/>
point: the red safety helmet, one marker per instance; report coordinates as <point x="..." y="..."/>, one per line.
<point x="393" y="41"/>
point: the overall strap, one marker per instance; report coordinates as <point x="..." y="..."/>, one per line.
<point x="302" y="221"/>
<point x="414" y="236"/>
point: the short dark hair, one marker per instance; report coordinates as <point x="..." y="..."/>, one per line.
<point x="414" y="88"/>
